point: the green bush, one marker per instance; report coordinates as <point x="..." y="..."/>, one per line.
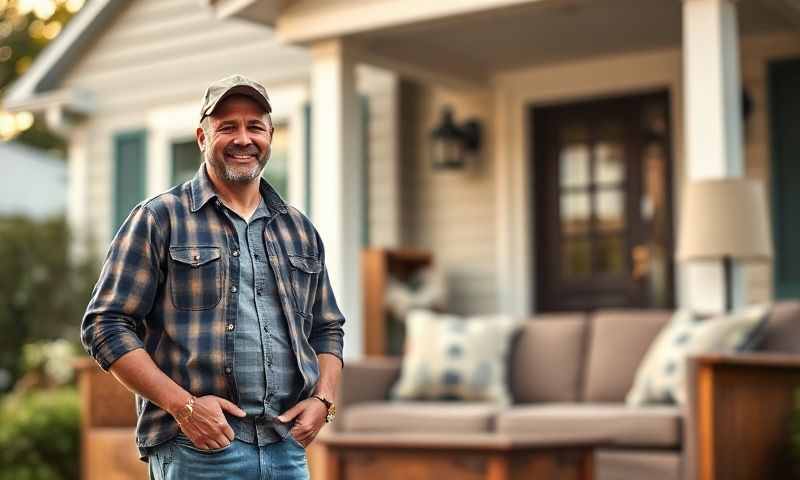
<point x="43" y="294"/>
<point x="40" y="435"/>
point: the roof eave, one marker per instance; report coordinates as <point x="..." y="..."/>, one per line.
<point x="50" y="66"/>
<point x="264" y="12"/>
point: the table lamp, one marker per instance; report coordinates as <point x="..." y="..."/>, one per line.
<point x="724" y="219"/>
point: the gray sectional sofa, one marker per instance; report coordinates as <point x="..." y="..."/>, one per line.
<point x="568" y="372"/>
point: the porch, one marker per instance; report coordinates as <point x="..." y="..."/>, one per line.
<point x="498" y="62"/>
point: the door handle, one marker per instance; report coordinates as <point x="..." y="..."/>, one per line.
<point x="640" y="254"/>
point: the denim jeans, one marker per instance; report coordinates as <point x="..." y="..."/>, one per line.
<point x="179" y="459"/>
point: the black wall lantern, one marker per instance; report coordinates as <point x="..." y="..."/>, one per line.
<point x="451" y="144"/>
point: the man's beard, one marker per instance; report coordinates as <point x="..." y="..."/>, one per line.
<point x="237" y="173"/>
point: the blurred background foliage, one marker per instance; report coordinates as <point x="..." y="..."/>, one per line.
<point x="40" y="435"/>
<point x="26" y="27"/>
<point x="43" y="294"/>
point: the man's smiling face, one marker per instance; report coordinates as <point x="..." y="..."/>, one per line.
<point x="235" y="139"/>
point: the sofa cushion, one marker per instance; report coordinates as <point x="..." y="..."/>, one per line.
<point x="661" y="377"/>
<point x="545" y="341"/>
<point x="783" y="328"/>
<point x="652" y="426"/>
<point x="618" y="340"/>
<point x="450" y="357"/>
<point x="419" y="417"/>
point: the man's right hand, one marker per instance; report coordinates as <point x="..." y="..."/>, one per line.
<point x="207" y="427"/>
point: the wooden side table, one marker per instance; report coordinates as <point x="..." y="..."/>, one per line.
<point x="363" y="456"/>
<point x="377" y="264"/>
<point x="744" y="411"/>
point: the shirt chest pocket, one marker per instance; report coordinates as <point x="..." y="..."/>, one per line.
<point x="195" y="276"/>
<point x="304" y="274"/>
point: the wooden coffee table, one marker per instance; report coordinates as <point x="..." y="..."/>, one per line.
<point x="362" y="456"/>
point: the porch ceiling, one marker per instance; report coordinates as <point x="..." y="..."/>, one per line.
<point x="549" y="31"/>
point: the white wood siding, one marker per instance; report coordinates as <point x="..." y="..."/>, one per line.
<point x="161" y="54"/>
<point x="450" y="213"/>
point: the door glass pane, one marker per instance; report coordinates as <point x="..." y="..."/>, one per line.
<point x="574" y="162"/>
<point x="653" y="264"/>
<point x="610" y="254"/>
<point x="186" y="159"/>
<point x="610" y="210"/>
<point x="575" y="212"/>
<point x="576" y="257"/>
<point x="609" y="166"/>
<point x="276" y="172"/>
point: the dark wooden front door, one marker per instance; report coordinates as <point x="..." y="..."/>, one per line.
<point x="602" y="201"/>
<point x="784" y="78"/>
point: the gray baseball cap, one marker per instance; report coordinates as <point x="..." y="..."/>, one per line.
<point x="233" y="85"/>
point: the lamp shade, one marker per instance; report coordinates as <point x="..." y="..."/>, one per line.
<point x="724" y="217"/>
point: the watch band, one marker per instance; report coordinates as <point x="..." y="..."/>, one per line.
<point x="329" y="405"/>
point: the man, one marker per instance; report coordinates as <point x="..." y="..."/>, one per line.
<point x="214" y="306"/>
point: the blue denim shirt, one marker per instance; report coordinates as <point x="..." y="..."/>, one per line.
<point x="265" y="369"/>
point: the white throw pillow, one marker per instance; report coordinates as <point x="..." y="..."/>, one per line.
<point x="661" y="377"/>
<point x="456" y="358"/>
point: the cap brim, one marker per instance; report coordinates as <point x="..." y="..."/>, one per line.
<point x="240" y="90"/>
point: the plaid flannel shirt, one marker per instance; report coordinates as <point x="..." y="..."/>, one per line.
<point x="168" y="285"/>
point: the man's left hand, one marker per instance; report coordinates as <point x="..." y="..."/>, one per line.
<point x="309" y="416"/>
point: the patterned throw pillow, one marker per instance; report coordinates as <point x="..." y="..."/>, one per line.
<point x="454" y="358"/>
<point x="661" y="377"/>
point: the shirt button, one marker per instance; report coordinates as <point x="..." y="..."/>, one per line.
<point x="233" y="289"/>
<point x="236" y="253"/>
<point x="230" y="327"/>
<point x="259" y="291"/>
<point x="266" y="329"/>
<point x="228" y="370"/>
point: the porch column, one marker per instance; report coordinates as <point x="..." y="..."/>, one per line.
<point x="713" y="124"/>
<point x="336" y="186"/>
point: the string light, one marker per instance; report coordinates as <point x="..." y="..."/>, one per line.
<point x="73" y="6"/>
<point x="44" y="9"/>
<point x="23" y="121"/>
<point x="52" y="29"/>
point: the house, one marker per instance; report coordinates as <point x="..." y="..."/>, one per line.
<point x="593" y="115"/>
<point x="33" y="184"/>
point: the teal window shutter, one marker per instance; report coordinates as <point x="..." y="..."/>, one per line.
<point x="784" y="77"/>
<point x="365" y="170"/>
<point x="130" y="159"/>
<point x="186" y="159"/>
<point x="307" y="139"/>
